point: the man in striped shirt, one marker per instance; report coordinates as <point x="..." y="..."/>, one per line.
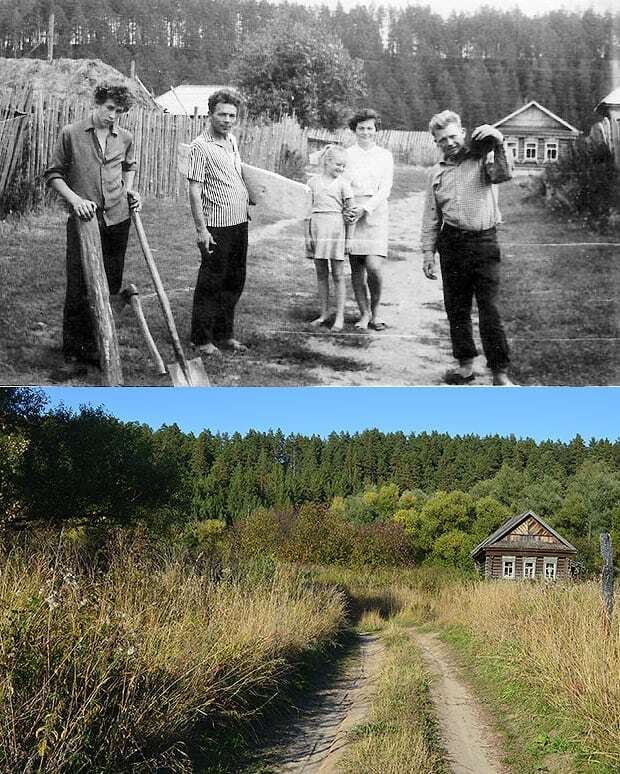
<point x="219" y="203"/>
<point x="459" y="222"/>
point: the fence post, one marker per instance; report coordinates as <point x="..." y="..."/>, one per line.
<point x="607" y="579"/>
<point x="99" y="302"/>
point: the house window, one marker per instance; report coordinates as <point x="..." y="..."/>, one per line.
<point x="551" y="150"/>
<point x="529" y="567"/>
<point x="512" y="148"/>
<point x="550" y="565"/>
<point x="508" y="567"/>
<point x="530" y="151"/>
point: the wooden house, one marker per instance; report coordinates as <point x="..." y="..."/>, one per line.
<point x="525" y="548"/>
<point x="188" y="100"/>
<point x="534" y="135"/>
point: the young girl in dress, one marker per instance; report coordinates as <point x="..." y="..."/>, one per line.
<point x="327" y="234"/>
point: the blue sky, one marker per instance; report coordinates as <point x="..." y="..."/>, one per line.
<point x="537" y="412"/>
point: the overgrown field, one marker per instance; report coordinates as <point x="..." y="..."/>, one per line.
<point x="143" y="662"/>
<point x="560" y="284"/>
<point x="537" y="653"/>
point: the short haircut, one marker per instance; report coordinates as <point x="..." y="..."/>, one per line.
<point x="329" y="151"/>
<point x="226" y="97"/>
<point x="443" y="119"/>
<point x="365" y="114"/>
<point x="117" y="92"/>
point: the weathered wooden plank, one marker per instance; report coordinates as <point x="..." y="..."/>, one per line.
<point x="99" y="302"/>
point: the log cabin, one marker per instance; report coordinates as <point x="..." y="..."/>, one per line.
<point x="525" y="548"/>
<point x="534" y="136"/>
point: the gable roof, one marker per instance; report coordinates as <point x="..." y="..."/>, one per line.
<point x="533" y="103"/>
<point x="181" y="100"/>
<point x="511" y="524"/>
<point x="610" y="99"/>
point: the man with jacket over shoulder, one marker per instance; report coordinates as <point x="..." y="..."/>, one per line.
<point x="459" y="222"/>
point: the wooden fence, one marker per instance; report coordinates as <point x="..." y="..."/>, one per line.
<point x="416" y="148"/>
<point x="27" y="142"/>
<point x="29" y="127"/>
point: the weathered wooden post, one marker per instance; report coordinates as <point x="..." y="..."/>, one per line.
<point x="607" y="579"/>
<point x="99" y="302"/>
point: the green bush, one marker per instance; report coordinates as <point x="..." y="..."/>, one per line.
<point x="585" y="183"/>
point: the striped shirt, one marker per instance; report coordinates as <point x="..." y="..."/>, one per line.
<point x="91" y="172"/>
<point x="216" y="164"/>
<point x="461" y="193"/>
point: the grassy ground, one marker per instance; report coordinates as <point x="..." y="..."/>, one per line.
<point x="535" y="654"/>
<point x="401" y="734"/>
<point x="135" y="667"/>
<point x="535" y="736"/>
<point x="557" y="299"/>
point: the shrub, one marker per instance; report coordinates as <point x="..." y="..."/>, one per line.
<point x="585" y="183"/>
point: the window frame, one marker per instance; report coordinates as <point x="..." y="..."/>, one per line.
<point x="530" y="144"/>
<point x="551" y="560"/>
<point x="512" y="559"/>
<point x="512" y="143"/>
<point x="551" y="142"/>
<point x="526" y="560"/>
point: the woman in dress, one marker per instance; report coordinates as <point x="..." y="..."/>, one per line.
<point x="370" y="170"/>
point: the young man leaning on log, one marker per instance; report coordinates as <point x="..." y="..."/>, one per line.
<point x="93" y="169"/>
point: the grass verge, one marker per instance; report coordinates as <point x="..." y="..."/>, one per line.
<point x="536" y="737"/>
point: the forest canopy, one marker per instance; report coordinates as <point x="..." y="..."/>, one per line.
<point x="484" y="64"/>
<point x="63" y="467"/>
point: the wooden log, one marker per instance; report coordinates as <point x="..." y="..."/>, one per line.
<point x="99" y="302"/>
<point x="607" y="579"/>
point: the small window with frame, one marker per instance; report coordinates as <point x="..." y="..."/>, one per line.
<point x="508" y="567"/>
<point x="550" y="565"/>
<point x="529" y="567"/>
<point x="531" y="151"/>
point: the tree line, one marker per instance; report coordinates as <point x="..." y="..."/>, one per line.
<point x="406" y="62"/>
<point x="60" y="467"/>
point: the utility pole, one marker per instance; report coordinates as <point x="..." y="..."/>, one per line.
<point x="50" y="33"/>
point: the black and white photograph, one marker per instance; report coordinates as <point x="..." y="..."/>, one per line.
<point x="264" y="194"/>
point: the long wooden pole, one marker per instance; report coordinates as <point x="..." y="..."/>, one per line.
<point x="607" y="578"/>
<point x="99" y="302"/>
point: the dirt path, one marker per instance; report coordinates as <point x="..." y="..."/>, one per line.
<point x="415" y="349"/>
<point x="470" y="744"/>
<point x="315" y="741"/>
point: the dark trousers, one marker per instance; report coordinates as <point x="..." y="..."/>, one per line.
<point x="77" y="332"/>
<point x="220" y="282"/>
<point x="470" y="267"/>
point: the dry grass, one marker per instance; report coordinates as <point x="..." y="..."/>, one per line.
<point x="552" y="639"/>
<point x="112" y="672"/>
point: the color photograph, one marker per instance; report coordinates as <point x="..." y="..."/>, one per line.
<point x="307" y="580"/>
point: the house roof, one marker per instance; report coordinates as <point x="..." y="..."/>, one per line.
<point x="533" y="103"/>
<point x="181" y="100"/>
<point x="511" y="524"/>
<point x="610" y="99"/>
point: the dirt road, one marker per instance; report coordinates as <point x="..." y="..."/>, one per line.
<point x="471" y="746"/>
<point x="316" y="740"/>
<point x="415" y="348"/>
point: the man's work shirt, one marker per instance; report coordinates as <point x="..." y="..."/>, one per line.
<point x="216" y="164"/>
<point x="460" y="193"/>
<point x="91" y="172"/>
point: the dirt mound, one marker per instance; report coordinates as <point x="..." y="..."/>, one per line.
<point x="65" y="77"/>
